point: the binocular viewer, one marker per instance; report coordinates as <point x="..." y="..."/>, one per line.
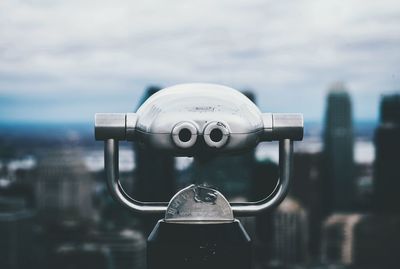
<point x="198" y="120"/>
<point x="192" y="118"/>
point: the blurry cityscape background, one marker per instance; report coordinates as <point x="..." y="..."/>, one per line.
<point x="342" y="210"/>
<point x="335" y="62"/>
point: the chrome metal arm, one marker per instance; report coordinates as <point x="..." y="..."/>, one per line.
<point x="111" y="161"/>
<point x="240" y="209"/>
<point x="281" y="188"/>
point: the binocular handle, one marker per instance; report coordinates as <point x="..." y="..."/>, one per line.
<point x="239" y="209"/>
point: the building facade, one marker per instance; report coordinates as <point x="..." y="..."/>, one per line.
<point x="339" y="185"/>
<point x="387" y="161"/>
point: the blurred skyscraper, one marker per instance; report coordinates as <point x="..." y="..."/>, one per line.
<point x="387" y="161"/>
<point x="64" y="188"/>
<point x="306" y="187"/>
<point x="376" y="242"/>
<point x="338" y="238"/>
<point x="290" y="237"/>
<point x="361" y="240"/>
<point x="338" y="151"/>
<point x="16" y="233"/>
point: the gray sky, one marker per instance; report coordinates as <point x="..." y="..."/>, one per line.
<point x="66" y="60"/>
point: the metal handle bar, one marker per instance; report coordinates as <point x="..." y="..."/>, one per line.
<point x="240" y="209"/>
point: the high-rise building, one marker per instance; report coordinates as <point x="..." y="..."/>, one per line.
<point x="387" y="147"/>
<point x="306" y="187"/>
<point x="16" y="233"/>
<point x="361" y="240"/>
<point x="290" y="233"/>
<point x="376" y="242"/>
<point x="338" y="176"/>
<point x="338" y="238"/>
<point x="64" y="187"/>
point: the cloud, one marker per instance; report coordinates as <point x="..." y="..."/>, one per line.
<point x="102" y="54"/>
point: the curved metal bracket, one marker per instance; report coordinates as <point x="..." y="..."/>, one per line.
<point x="239" y="209"/>
<point x="111" y="164"/>
<point x="281" y="189"/>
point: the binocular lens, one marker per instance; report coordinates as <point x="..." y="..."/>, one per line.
<point x="185" y="135"/>
<point x="216" y="135"/>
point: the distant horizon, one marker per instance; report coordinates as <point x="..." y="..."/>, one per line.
<point x="81" y="109"/>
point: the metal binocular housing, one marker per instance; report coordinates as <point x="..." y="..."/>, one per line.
<point x="199" y="119"/>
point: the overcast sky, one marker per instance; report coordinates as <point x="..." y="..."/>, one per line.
<point x="66" y="60"/>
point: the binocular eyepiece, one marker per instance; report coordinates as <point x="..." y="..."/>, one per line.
<point x="186" y="134"/>
<point x="216" y="134"/>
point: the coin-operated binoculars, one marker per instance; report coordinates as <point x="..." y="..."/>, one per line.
<point x="200" y="120"/>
